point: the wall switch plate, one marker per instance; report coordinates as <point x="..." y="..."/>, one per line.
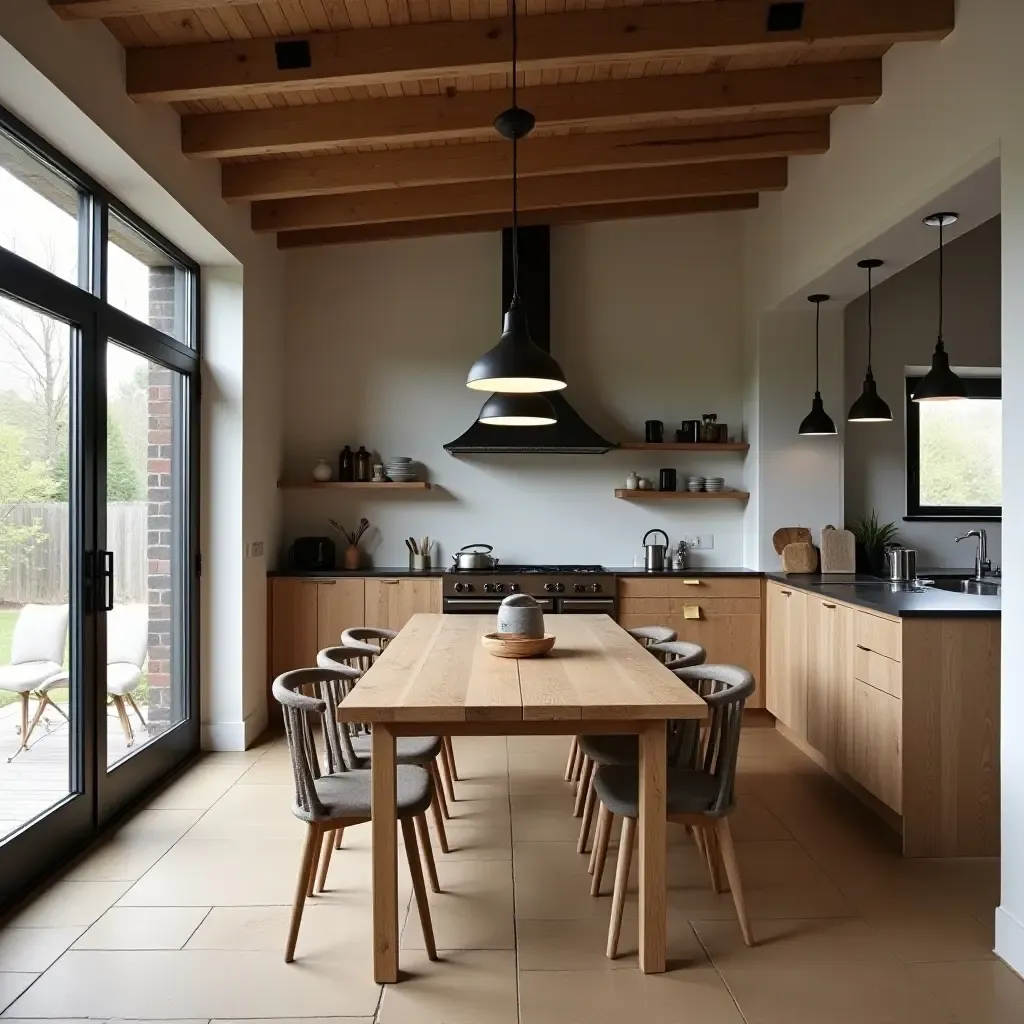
<point x="700" y="542"/>
<point x="639" y="561"/>
<point x="254" y="549"/>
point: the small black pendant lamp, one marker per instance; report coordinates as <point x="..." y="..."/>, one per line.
<point x="940" y="383"/>
<point x="516" y="364"/>
<point x="521" y="410"/>
<point x="870" y="408"/>
<point x="817" y="421"/>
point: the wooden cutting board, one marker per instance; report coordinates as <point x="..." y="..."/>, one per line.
<point x="799" y="557"/>
<point x="790" y="535"/>
<point x="838" y="550"/>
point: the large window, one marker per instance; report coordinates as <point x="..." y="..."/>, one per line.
<point x="954" y="454"/>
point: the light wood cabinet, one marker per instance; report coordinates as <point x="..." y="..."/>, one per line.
<point x="786" y="662"/>
<point x="390" y="603"/>
<point x="339" y="607"/>
<point x="829" y="677"/>
<point x="876" y="739"/>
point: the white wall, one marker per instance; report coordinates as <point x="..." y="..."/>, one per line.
<point x="66" y="80"/>
<point x="645" y="322"/>
<point x="905" y="311"/>
<point x="948" y="109"/>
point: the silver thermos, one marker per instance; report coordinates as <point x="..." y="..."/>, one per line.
<point x="655" y="555"/>
<point x="901" y="564"/>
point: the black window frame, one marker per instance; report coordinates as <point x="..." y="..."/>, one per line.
<point x="988" y="386"/>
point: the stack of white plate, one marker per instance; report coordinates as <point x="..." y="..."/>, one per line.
<point x="400" y="469"/>
<point x="695" y="483"/>
<point x="714" y="483"/>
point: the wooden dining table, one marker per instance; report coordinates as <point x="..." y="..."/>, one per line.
<point x="435" y="677"/>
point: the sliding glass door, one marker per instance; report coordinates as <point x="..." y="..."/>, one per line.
<point x="99" y="408"/>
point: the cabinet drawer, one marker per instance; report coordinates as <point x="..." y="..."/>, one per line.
<point x="657" y="609"/>
<point x="883" y="636"/>
<point x="878" y="671"/>
<point x="876" y="755"/>
<point x="690" y="587"/>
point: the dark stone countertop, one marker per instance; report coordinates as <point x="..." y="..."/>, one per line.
<point x="327" y="574"/>
<point x="876" y="595"/>
<point x="705" y="570"/>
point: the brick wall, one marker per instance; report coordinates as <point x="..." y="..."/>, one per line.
<point x="159" y="496"/>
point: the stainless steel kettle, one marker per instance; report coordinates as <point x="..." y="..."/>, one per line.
<point x="655" y="555"/>
<point x="901" y="564"/>
<point x="474" y="556"/>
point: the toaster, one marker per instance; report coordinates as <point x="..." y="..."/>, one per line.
<point x="312" y="554"/>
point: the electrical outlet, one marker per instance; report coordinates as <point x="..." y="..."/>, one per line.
<point x="700" y="542"/>
<point x="254" y="549"/>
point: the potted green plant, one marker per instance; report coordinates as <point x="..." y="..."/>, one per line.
<point x="872" y="539"/>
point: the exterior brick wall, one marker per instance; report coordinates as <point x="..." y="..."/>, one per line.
<point x="159" y="495"/>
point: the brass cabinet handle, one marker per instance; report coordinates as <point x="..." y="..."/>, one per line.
<point x="786" y="593"/>
<point x="328" y="583"/>
<point x="691" y="583"/>
<point x="387" y="581"/>
<point x="691" y="611"/>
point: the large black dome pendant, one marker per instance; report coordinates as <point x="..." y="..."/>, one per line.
<point x="520" y="410"/>
<point x="817" y="422"/>
<point x="870" y="407"/>
<point x="516" y="364"/>
<point x="940" y="383"/>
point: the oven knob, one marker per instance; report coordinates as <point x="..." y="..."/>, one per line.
<point x="595" y="587"/>
<point x="549" y="587"/>
<point x="499" y="587"/>
<point x="488" y="587"/>
<point x="513" y="588"/>
<point x="459" y="587"/>
<point x="578" y="587"/>
<point x="559" y="587"/>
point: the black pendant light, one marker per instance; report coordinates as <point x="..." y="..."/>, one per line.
<point x="521" y="410"/>
<point x="940" y="383"/>
<point x="516" y="364"/>
<point x="870" y="408"/>
<point x="817" y="421"/>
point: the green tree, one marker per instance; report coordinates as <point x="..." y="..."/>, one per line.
<point x="23" y="480"/>
<point x="122" y="477"/>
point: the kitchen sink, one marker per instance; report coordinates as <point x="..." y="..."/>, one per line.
<point x="981" y="588"/>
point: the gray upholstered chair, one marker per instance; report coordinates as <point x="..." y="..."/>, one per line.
<point x="699" y="791"/>
<point x="339" y="798"/>
<point x="372" y="641"/>
<point x="648" y="636"/>
<point x="608" y="750"/>
<point x="355" y="747"/>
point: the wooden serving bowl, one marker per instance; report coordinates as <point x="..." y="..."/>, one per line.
<point x="515" y="645"/>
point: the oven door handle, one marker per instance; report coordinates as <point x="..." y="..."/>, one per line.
<point x="591" y="605"/>
<point x="467" y="604"/>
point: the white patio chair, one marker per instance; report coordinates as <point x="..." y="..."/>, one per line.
<point x="37" y="655"/>
<point x="127" y="650"/>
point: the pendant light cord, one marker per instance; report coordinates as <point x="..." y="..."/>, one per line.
<point x="515" y="167"/>
<point x="870" y="319"/>
<point x="817" y="324"/>
<point x="941" y="275"/>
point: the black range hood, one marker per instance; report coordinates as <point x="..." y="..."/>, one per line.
<point x="571" y="435"/>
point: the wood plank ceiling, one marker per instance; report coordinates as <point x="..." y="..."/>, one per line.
<point x="344" y="120"/>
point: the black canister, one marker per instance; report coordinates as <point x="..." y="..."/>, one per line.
<point x="691" y="431"/>
<point x="346" y="467"/>
<point x="654" y="431"/>
<point x="667" y="480"/>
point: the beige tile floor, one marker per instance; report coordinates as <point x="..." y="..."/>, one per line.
<point x="181" y="915"/>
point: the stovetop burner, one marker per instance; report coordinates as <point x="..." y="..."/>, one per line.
<point x="549" y="570"/>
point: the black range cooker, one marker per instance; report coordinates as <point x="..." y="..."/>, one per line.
<point x="562" y="589"/>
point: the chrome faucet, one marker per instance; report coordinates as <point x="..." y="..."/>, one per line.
<point x="981" y="563"/>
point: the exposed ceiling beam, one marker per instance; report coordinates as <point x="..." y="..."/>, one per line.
<point x="797" y="89"/>
<point x="436" y="165"/>
<point x="534" y="194"/>
<point x="71" y="9"/>
<point x="197" y="71"/>
<point x="496" y="221"/>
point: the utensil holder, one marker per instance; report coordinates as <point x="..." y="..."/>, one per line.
<point x="419" y="563"/>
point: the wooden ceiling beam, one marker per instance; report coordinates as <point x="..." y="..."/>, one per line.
<point x="794" y="90"/>
<point x="477" y="223"/>
<point x="542" y="193"/>
<point x="196" y="71"/>
<point x="558" y="154"/>
<point x="94" y="9"/>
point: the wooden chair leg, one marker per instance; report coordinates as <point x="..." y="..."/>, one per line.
<point x="122" y="714"/>
<point x="583" y="788"/>
<point x="338" y="835"/>
<point x="435" y="807"/>
<point x="732" y="872"/>
<point x="577" y="768"/>
<point x="40" y="707"/>
<point x="698" y="841"/>
<point x="450" y="747"/>
<point x="711" y="852"/>
<point x="416" y="870"/>
<point x="570" y="765"/>
<point x="309" y="852"/>
<point x="135" y="708"/>
<point x="428" y="851"/>
<point x="588" y="816"/>
<point x="438" y="788"/>
<point x="311" y="881"/>
<point x="325" y="860"/>
<point x="605" y="818"/>
<point x="621" y="880"/>
<point x="446" y="773"/>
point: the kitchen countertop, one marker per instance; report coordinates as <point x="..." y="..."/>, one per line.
<point x="874" y="594"/>
<point x="390" y="571"/>
<point x="707" y="570"/>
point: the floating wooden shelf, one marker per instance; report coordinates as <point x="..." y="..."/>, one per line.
<point x="680" y="446"/>
<point x="636" y="494"/>
<point x="352" y="485"/>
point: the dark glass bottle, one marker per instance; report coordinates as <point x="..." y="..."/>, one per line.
<point x="362" y="464"/>
<point x="346" y="469"/>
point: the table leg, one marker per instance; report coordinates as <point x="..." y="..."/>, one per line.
<point x="653" y="839"/>
<point x="383" y="796"/>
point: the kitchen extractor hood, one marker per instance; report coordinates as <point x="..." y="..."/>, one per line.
<point x="570" y="435"/>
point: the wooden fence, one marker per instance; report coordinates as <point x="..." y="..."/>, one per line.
<point x="36" y="569"/>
